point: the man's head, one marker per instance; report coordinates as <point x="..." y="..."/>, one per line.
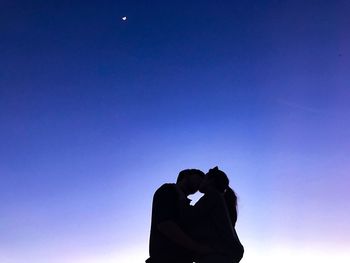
<point x="189" y="180"/>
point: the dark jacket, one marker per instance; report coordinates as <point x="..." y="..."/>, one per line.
<point x="166" y="206"/>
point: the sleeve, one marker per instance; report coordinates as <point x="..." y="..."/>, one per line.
<point x="164" y="205"/>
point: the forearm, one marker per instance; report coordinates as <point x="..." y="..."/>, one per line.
<point x="172" y="231"/>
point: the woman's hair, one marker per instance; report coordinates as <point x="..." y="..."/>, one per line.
<point x="221" y="182"/>
<point x="231" y="202"/>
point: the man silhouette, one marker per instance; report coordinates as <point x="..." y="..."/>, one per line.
<point x="169" y="242"/>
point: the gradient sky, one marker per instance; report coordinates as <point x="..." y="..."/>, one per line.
<point x="96" y="113"/>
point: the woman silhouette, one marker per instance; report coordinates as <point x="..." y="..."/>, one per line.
<point x="213" y="218"/>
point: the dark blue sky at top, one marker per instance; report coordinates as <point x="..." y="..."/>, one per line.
<point x="86" y="98"/>
<point x="74" y="75"/>
<point x="79" y="61"/>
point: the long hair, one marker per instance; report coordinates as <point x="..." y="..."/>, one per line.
<point x="221" y="183"/>
<point x="231" y="202"/>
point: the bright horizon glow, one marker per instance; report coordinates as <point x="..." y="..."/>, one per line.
<point x="275" y="255"/>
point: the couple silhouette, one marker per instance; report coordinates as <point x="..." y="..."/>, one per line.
<point x="201" y="233"/>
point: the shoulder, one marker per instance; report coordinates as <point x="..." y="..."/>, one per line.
<point x="214" y="198"/>
<point x="166" y="187"/>
<point x="166" y="190"/>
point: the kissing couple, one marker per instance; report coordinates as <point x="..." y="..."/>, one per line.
<point x="203" y="232"/>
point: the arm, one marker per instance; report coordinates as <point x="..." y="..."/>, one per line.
<point x="172" y="231"/>
<point x="165" y="214"/>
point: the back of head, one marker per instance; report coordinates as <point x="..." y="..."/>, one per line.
<point x="188" y="172"/>
<point x="218" y="178"/>
<point x="221" y="182"/>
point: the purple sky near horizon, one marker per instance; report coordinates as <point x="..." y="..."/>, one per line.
<point x="96" y="113"/>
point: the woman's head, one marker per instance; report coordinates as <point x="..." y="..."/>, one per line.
<point x="215" y="179"/>
<point x="218" y="180"/>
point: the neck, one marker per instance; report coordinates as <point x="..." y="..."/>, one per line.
<point x="182" y="188"/>
<point x="212" y="189"/>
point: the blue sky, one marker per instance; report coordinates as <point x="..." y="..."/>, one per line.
<point x="97" y="112"/>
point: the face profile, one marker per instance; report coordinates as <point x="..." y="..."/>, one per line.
<point x="205" y="185"/>
<point x="194" y="181"/>
<point x="189" y="180"/>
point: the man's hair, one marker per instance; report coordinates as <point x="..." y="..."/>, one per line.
<point x="188" y="172"/>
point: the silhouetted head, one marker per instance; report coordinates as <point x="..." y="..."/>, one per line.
<point x="189" y="180"/>
<point x="217" y="180"/>
<point x="214" y="179"/>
